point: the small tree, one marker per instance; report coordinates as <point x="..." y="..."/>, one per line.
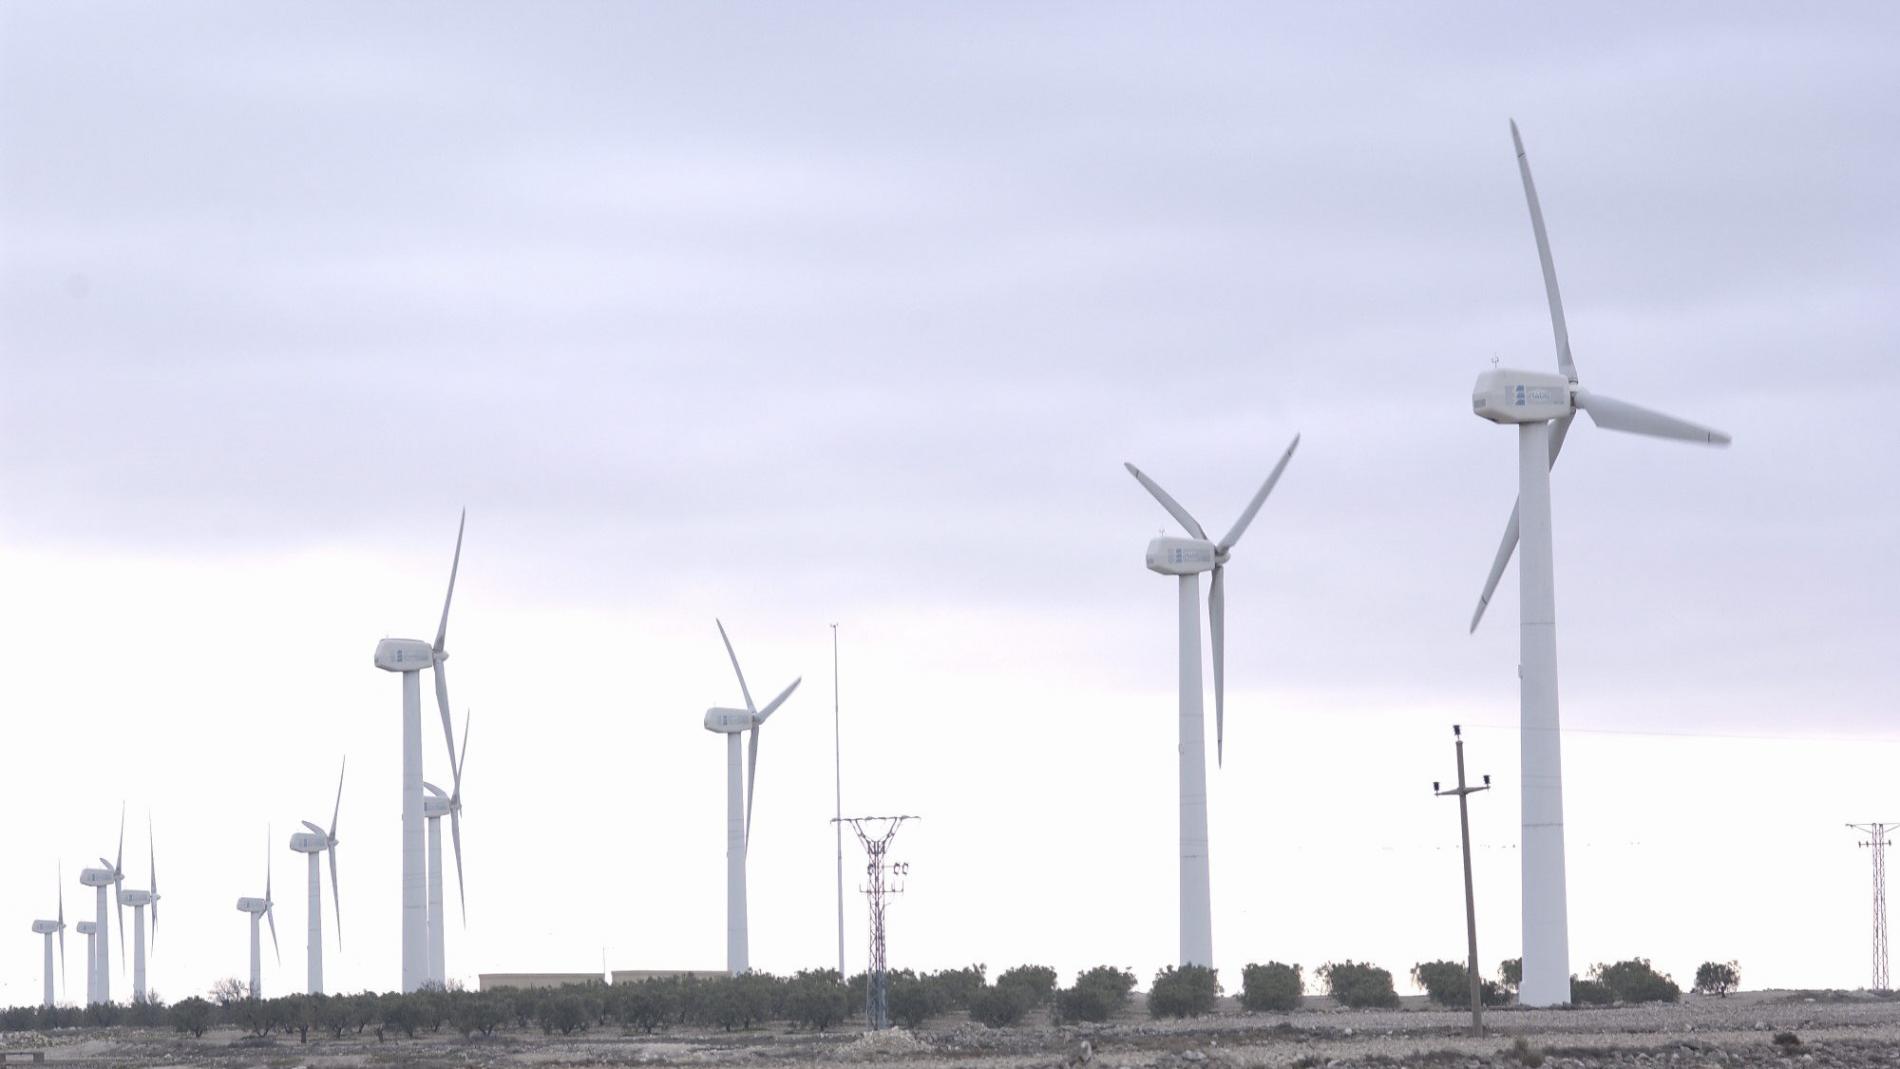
<point x="952" y="989"/>
<point x="816" y="999"/>
<point x="1358" y="985"/>
<point x="1188" y="991"/>
<point x="1037" y="982"/>
<point x="1636" y="980"/>
<point x="1096" y="996"/>
<point x="191" y="1015"/>
<point x="910" y="999"/>
<point x="563" y="1012"/>
<point x="1717" y="978"/>
<point x="1590" y="993"/>
<point x="1001" y="1005"/>
<point x="1511" y="973"/>
<point x="1272" y="987"/>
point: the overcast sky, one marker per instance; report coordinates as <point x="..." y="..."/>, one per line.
<point x="851" y="313"/>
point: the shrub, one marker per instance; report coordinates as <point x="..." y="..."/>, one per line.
<point x="1037" y="982"/>
<point x="652" y="1003"/>
<point x="912" y="1000"/>
<point x="816" y="999"/>
<point x="1000" y="1005"/>
<point x="1272" y="987"/>
<point x="333" y="1014"/>
<point x="564" y="1012"/>
<point x="952" y="989"/>
<point x="1717" y="978"/>
<point x="1511" y="973"/>
<point x="1590" y="993"/>
<point x="1096" y="996"/>
<point x="1188" y="991"/>
<point x="1636" y="981"/>
<point x="398" y="1013"/>
<point x="1358" y="985"/>
<point x="1447" y="983"/>
<point x="191" y="1015"/>
<point x="476" y="1011"/>
<point x="101" y="1015"/>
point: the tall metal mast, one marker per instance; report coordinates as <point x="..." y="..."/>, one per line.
<point x="1877" y="839"/>
<point x="1471" y="909"/>
<point x="877" y="844"/>
<point x="837" y="766"/>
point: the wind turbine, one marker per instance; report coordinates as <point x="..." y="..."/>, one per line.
<point x="90" y="929"/>
<point x="410" y="656"/>
<point x="1187" y="558"/>
<point x="731" y="723"/>
<point x="434" y="808"/>
<point x="313" y="842"/>
<point x="100" y="990"/>
<point x="138" y="900"/>
<point x="1542" y="405"/>
<point x="262" y="907"/>
<point x="49" y="929"/>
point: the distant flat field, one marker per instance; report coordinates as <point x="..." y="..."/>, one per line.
<point x="1790" y="1030"/>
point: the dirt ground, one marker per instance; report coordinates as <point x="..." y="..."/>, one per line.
<point x="1815" y="1031"/>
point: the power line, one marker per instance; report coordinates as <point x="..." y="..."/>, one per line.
<point x="1463" y="794"/>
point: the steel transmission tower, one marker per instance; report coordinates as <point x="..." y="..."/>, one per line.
<point x="1877" y="839"/>
<point x="878" y="889"/>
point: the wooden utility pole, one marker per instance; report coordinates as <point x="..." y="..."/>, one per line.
<point x="1471" y="909"/>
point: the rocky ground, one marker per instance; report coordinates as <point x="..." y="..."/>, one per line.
<point x="1788" y="1031"/>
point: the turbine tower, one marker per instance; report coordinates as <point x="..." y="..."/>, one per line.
<point x="312" y="843"/>
<point x="261" y="907"/>
<point x="409" y="657"/>
<point x="90" y="929"/>
<point x="100" y="990"/>
<point x="1542" y="405"/>
<point x="1187" y="558"/>
<point x="434" y="807"/>
<point x="138" y="900"/>
<point x="731" y="723"/>
<point x="48" y="929"/>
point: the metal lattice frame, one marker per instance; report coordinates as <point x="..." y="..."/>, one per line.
<point x="1877" y="841"/>
<point x="878" y="889"/>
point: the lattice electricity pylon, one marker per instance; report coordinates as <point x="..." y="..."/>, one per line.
<point x="1877" y="840"/>
<point x="877" y="845"/>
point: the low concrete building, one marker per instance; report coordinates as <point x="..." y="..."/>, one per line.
<point x="491" y="980"/>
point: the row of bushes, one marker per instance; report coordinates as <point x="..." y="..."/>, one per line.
<point x="818" y="999"/>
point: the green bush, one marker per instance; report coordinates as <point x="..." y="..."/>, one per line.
<point x="1511" y="973"/>
<point x="1358" y="985"/>
<point x="1096" y="996"/>
<point x="1037" y="982"/>
<point x="1590" y="993"/>
<point x="1000" y="1006"/>
<point x="1636" y="981"/>
<point x="1188" y="991"/>
<point x="1717" y="978"/>
<point x="1273" y="987"/>
<point x="191" y="1015"/>
<point x="817" y="999"/>
<point x="564" y="1012"/>
<point x="912" y="1000"/>
<point x="952" y="989"/>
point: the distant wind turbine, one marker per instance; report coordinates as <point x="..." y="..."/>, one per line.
<point x="437" y="805"/>
<point x="138" y="900"/>
<point x="1187" y="558"/>
<point x="48" y="929"/>
<point x="739" y="793"/>
<point x="312" y="843"/>
<point x="264" y="908"/>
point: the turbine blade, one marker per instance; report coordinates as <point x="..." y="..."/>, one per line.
<point x="337" y="809"/>
<point x="1216" y="634"/>
<point x="455" y="831"/>
<point x="1557" y="325"/>
<point x="270" y="914"/>
<point x="442" y="630"/>
<point x="267" y="897"/>
<point x="1508" y="544"/>
<point x="336" y="898"/>
<point x="435" y="790"/>
<point x="1240" y="525"/>
<point x="315" y="829"/>
<point x="1174" y="508"/>
<point x="116" y="870"/>
<point x="750" y="708"/>
<point x="59" y="873"/>
<point x="1612" y="414"/>
<point x="772" y="706"/>
<point x="751" y="776"/>
<point x="442" y="706"/>
<point x="456" y="784"/>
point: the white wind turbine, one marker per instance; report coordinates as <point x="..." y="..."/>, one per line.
<point x="100" y="989"/>
<point x="731" y="723"/>
<point x="1187" y="558"/>
<point x="48" y="929"/>
<point x="1542" y="405"/>
<point x="312" y="843"/>
<point x="138" y="900"/>
<point x="410" y="656"/>
<point x="434" y="808"/>
<point x="90" y="929"/>
<point x="265" y="908"/>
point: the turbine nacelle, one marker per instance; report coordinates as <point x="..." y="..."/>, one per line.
<point x="1183" y="556"/>
<point x="1507" y="395"/>
<point x="98" y="877"/>
<point x="309" y="843"/>
<point x="46" y="927"/>
<point x="728" y="721"/>
<point x="435" y="801"/>
<point x="253" y="905"/>
<point x="404" y="655"/>
<point x="138" y="898"/>
<point x="87" y="928"/>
